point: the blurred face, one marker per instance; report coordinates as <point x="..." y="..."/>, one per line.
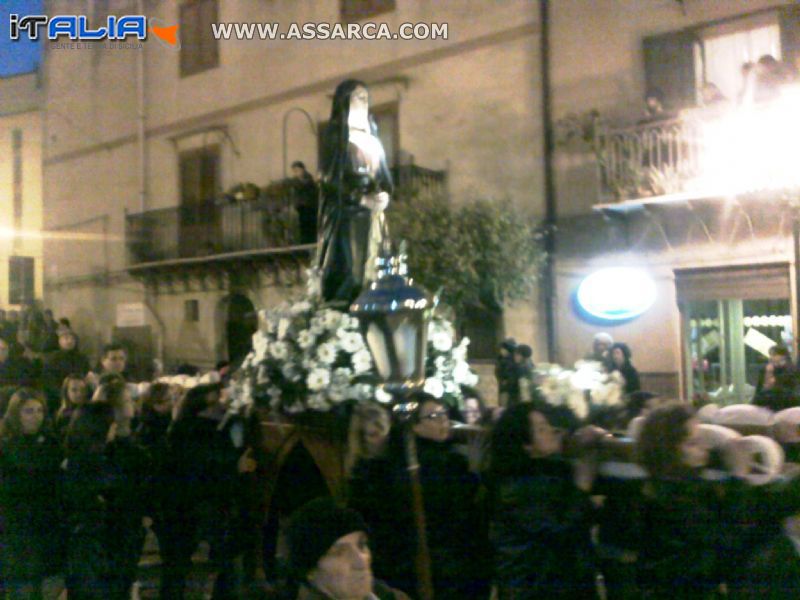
<point x="600" y="347"/>
<point x="31" y="417"/>
<point x="66" y="341"/>
<point x="76" y="391"/>
<point x="297" y="172"/>
<point x="693" y="452"/>
<point x="3" y="351"/>
<point x="434" y="422"/>
<point x="345" y="570"/>
<point x="779" y="360"/>
<point x="618" y="356"/>
<point x="547" y="440"/>
<point x="472" y="411"/>
<point x="114" y="361"/>
<point x="374" y="438"/>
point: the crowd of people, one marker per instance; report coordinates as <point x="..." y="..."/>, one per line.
<point x="514" y="501"/>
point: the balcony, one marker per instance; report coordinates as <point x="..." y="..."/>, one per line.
<point x="231" y="229"/>
<point x="706" y="153"/>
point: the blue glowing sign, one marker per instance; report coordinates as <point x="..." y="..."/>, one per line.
<point x="616" y="294"/>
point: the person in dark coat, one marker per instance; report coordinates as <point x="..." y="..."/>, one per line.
<point x="456" y="533"/>
<point x="330" y="557"/>
<point x="306" y="202"/>
<point x="202" y="461"/>
<point x="504" y="369"/>
<point x="698" y="534"/>
<point x="779" y="381"/>
<point x="88" y="478"/>
<point x="67" y="360"/>
<point x="31" y="538"/>
<point x="15" y="371"/>
<point x="540" y="512"/>
<point x="74" y="393"/>
<point x="620" y="361"/>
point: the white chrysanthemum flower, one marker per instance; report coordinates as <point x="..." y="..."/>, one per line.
<point x="349" y="322"/>
<point x="442" y="341"/>
<point x="260" y="346"/>
<point x="440" y="363"/>
<point x="279" y="350"/>
<point x="318" y="379"/>
<point x="362" y="361"/>
<point x="263" y="375"/>
<point x="317" y="402"/>
<point x="450" y="387"/>
<point x="434" y="387"/>
<point x="313" y="283"/>
<point x="301" y="307"/>
<point x="331" y="318"/>
<point x="316" y="325"/>
<point x="326" y="353"/>
<point x="352" y="342"/>
<point x="305" y="339"/>
<point x="382" y="396"/>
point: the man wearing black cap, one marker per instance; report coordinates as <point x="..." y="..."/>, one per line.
<point x="329" y="556"/>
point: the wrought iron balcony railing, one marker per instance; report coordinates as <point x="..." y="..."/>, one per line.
<point x="223" y="226"/>
<point x="650" y="159"/>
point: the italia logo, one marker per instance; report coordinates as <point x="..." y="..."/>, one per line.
<point x="76" y="27"/>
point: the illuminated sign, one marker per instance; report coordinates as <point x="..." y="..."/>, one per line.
<point x="616" y="294"/>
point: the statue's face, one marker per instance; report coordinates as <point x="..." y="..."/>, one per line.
<point x="359" y="108"/>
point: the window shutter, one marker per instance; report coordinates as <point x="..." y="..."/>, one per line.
<point x="208" y="49"/>
<point x="669" y="66"/>
<point x="21" y="283"/>
<point x="747" y="283"/>
<point x="789" y="18"/>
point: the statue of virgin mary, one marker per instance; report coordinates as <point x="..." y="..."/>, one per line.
<point x="355" y="189"/>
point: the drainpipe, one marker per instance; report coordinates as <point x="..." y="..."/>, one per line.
<point x="141" y="121"/>
<point x="548" y="278"/>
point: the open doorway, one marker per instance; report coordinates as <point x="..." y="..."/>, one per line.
<point x="241" y="322"/>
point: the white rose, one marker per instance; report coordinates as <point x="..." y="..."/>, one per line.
<point x="318" y="379"/>
<point x="440" y="363"/>
<point x="279" y="350"/>
<point x="471" y="379"/>
<point x="434" y="387"/>
<point x="362" y="361"/>
<point x="461" y="373"/>
<point x="450" y="387"/>
<point x="460" y="351"/>
<point x="326" y="353"/>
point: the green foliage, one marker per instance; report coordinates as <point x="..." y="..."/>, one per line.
<point x="481" y="254"/>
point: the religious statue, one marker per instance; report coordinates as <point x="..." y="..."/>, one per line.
<point x="355" y="190"/>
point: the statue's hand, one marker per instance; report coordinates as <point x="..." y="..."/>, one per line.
<point x="376" y="202"/>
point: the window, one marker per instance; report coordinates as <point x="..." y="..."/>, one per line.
<point x="355" y="10"/>
<point x="678" y="63"/>
<point x="731" y="317"/>
<point x="191" y="311"/>
<point x="20" y="279"/>
<point x="199" y="49"/>
<point x="198" y="214"/>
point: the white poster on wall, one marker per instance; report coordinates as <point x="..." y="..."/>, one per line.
<point x="131" y="314"/>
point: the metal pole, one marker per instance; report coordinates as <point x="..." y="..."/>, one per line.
<point x="286" y="116"/>
<point x="549" y="180"/>
<point x="796" y="301"/>
<point x="422" y="560"/>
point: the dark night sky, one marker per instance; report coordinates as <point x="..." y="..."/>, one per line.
<point x="23" y="55"/>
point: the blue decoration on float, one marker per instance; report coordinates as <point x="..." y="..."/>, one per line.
<point x="616" y="294"/>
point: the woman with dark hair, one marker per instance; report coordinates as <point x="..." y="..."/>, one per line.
<point x="620" y="360"/>
<point x="74" y="393"/>
<point x="30" y="540"/>
<point x="355" y="189"/>
<point x="456" y="537"/>
<point x="699" y="533"/>
<point x="540" y="512"/>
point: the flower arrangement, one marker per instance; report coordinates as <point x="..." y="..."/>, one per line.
<point x="586" y="390"/>
<point x="310" y="357"/>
